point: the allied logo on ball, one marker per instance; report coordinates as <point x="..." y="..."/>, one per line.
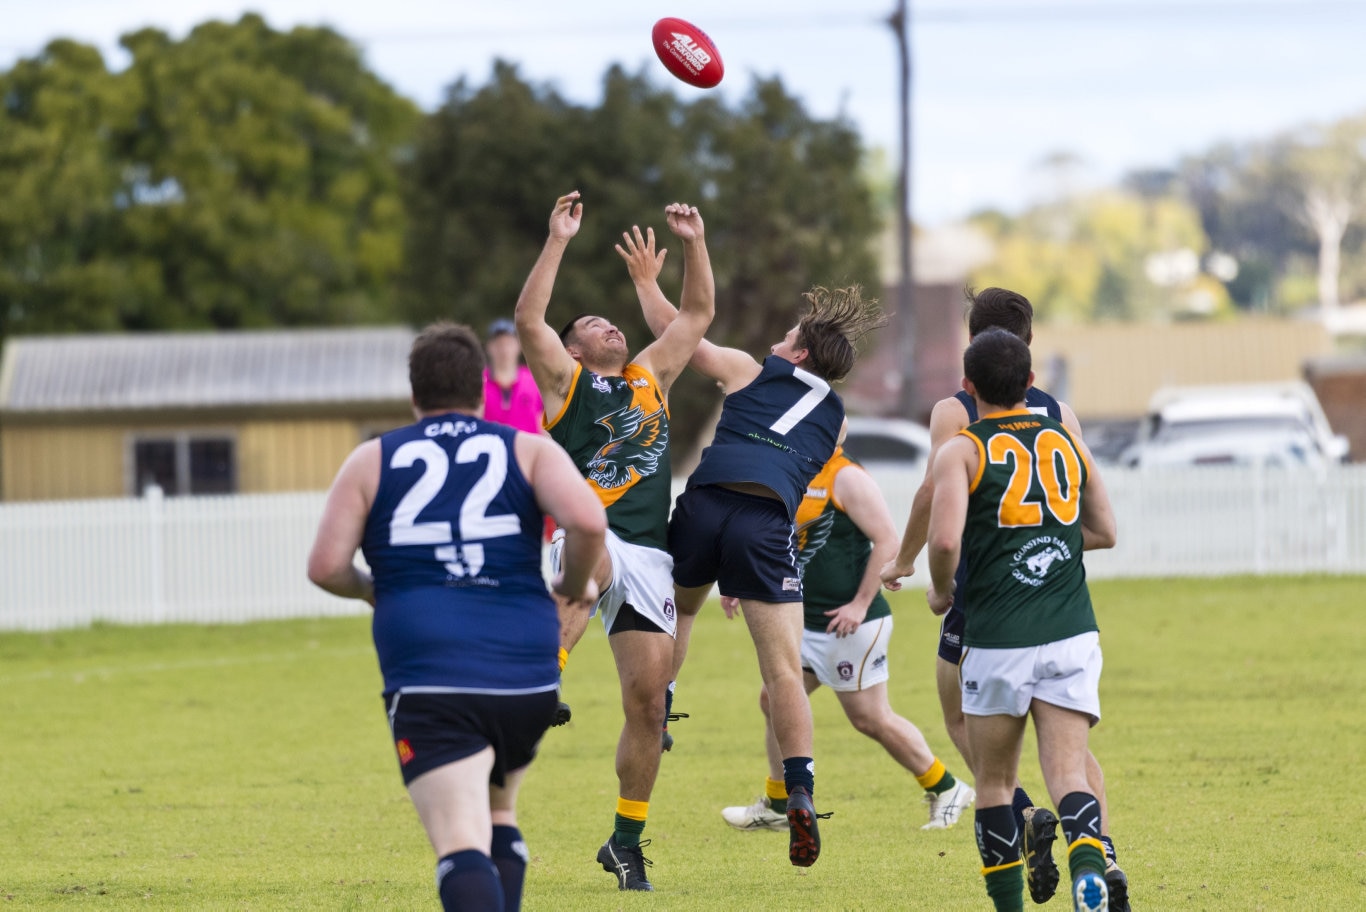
<point x="687" y="52"/>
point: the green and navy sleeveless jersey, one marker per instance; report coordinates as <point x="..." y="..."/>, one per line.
<point x="616" y="429"/>
<point x="453" y="540"/>
<point x="778" y="431"/>
<point x="1023" y="535"/>
<point x="832" y="552"/>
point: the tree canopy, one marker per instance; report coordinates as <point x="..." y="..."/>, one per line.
<point x="238" y="177"/>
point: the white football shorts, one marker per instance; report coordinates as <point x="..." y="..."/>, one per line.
<point x="641" y="577"/>
<point x="850" y="663"/>
<point x="1003" y="682"/>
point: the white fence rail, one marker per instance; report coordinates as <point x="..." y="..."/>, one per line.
<point x="233" y="559"/>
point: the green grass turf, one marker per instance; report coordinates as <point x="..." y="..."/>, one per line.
<point x="249" y="768"/>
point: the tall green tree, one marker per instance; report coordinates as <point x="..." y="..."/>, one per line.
<point x="238" y="177"/>
<point x="60" y="220"/>
<point x="783" y="196"/>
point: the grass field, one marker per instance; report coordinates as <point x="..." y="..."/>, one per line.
<point x="249" y="768"/>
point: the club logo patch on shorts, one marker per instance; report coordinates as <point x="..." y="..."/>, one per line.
<point x="845" y="670"/>
<point x="669" y="608"/>
<point x="405" y="751"/>
<point x="792" y="584"/>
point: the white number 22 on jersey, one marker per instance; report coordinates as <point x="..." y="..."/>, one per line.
<point x="475" y="521"/>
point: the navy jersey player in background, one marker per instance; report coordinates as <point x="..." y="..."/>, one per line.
<point x="995" y="308"/>
<point x="735" y="526"/>
<point x="449" y="512"/>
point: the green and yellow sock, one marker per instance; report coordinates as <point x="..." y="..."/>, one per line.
<point x="630" y="821"/>
<point x="1079" y="814"/>
<point x="777" y="795"/>
<point x="937" y="778"/>
<point x="998" y="844"/>
<point x="1005" y="886"/>
<point x="1086" y="854"/>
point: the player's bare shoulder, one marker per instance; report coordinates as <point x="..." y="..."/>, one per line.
<point x="948" y="417"/>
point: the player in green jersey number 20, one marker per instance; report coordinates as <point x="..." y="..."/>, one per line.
<point x="1022" y="496"/>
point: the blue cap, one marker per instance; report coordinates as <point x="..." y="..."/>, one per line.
<point x="500" y="327"/>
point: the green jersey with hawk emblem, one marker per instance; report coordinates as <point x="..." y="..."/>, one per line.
<point x="832" y="551"/>
<point x="1026" y="585"/>
<point x="616" y="429"/>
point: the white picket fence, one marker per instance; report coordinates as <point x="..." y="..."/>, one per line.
<point x="241" y="558"/>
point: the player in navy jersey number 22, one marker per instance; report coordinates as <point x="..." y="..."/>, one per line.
<point x="449" y="513"/>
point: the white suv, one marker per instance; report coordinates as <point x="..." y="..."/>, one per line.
<point x="1268" y="424"/>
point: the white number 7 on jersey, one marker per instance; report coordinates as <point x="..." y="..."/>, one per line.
<point x="803" y="406"/>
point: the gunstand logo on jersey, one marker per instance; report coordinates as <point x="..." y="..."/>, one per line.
<point x="1032" y="563"/>
<point x="812" y="536"/>
<point x="636" y="441"/>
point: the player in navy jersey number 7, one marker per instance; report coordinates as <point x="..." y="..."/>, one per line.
<point x="449" y="512"/>
<point x="735" y="524"/>
<point x="998" y="308"/>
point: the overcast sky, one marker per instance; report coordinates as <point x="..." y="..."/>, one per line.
<point x="998" y="84"/>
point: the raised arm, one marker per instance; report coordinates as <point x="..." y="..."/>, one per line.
<point x="953" y="468"/>
<point x="946" y="419"/>
<point x="859" y="497"/>
<point x="729" y="367"/>
<point x="332" y="560"/>
<point x="550" y="364"/>
<point x="677" y="341"/>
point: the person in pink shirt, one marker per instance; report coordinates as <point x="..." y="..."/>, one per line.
<point x="510" y="394"/>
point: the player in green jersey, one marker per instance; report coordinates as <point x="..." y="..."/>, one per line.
<point x="1021" y="494"/>
<point x="610" y="411"/>
<point x="1009" y="310"/>
<point x="844" y="533"/>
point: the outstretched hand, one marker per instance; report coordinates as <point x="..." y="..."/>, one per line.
<point x="564" y="221"/>
<point x="892" y="574"/>
<point x="642" y="262"/>
<point x="684" y="221"/>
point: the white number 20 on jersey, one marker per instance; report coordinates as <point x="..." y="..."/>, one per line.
<point x="475" y="522"/>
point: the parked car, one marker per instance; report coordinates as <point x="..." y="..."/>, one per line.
<point x="887" y="441"/>
<point x="1254" y="424"/>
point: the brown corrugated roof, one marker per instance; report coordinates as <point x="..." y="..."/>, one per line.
<point x="91" y="373"/>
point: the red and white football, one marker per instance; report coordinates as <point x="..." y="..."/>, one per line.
<point x="687" y="52"/>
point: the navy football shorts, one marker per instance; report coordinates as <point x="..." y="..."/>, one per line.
<point x="951" y="636"/>
<point x="433" y="729"/>
<point x="743" y="542"/>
